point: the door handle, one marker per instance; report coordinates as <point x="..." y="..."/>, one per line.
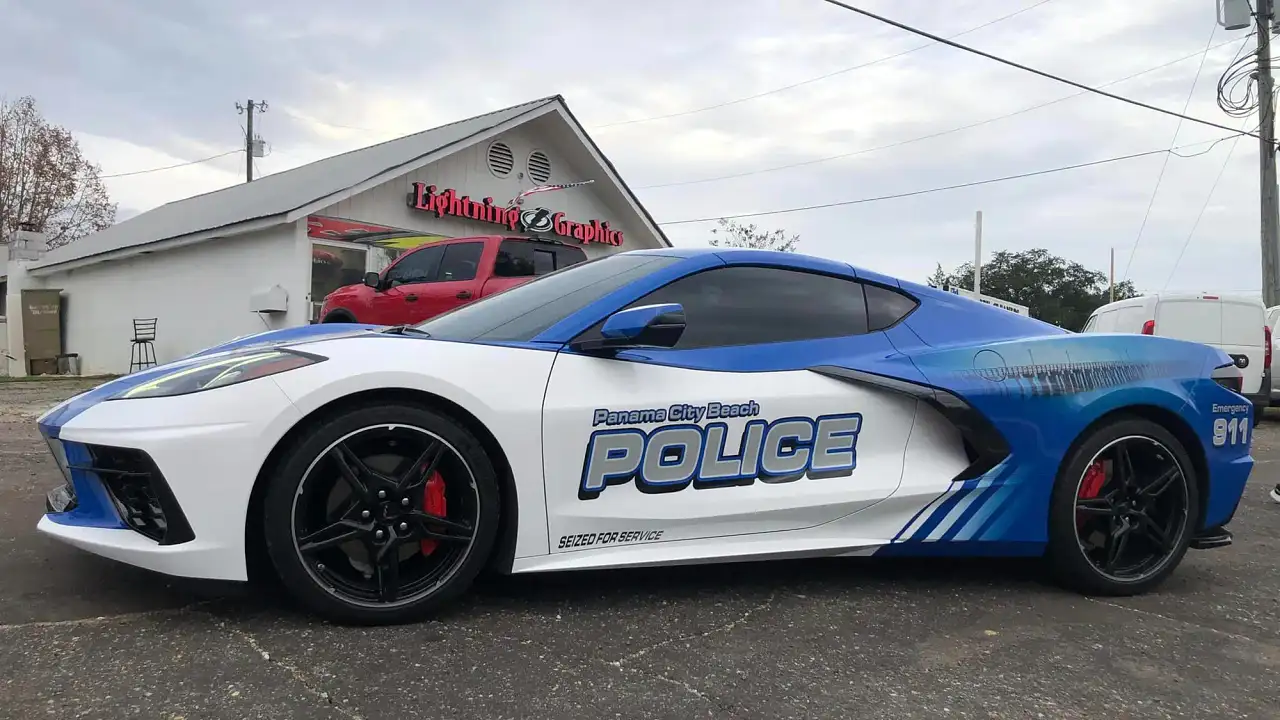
<point x="411" y="298"/>
<point x="463" y="295"/>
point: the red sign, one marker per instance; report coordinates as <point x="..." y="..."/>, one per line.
<point x="539" y="221"/>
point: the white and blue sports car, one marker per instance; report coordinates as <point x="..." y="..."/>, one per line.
<point x="653" y="408"/>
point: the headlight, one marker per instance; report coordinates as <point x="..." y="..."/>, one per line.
<point x="220" y="372"/>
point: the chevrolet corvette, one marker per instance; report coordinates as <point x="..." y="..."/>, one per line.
<point x="656" y="407"/>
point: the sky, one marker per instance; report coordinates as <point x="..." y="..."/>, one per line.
<point x="147" y="84"/>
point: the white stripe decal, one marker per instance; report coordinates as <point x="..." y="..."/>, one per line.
<point x="924" y="514"/>
<point x="958" y="510"/>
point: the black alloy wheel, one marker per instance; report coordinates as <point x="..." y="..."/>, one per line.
<point x="382" y="514"/>
<point x="1124" y="510"/>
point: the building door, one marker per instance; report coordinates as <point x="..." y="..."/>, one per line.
<point x="334" y="265"/>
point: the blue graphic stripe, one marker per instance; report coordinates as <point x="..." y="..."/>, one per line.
<point x="991" y="506"/>
<point x="920" y="512"/>
<point x="1009" y="514"/>
<point x="944" y="509"/>
<point x="994" y="486"/>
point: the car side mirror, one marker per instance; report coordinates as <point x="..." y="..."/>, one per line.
<point x="646" y="326"/>
<point x="373" y="280"/>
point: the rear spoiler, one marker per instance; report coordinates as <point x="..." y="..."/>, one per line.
<point x="1229" y="376"/>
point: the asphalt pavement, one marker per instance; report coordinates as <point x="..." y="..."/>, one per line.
<point x="82" y="637"/>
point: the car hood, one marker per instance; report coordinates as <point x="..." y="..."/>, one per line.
<point x="51" y="422"/>
<point x="289" y="336"/>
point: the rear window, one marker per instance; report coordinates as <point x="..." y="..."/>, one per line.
<point x="526" y="258"/>
<point x="1194" y="320"/>
<point x="1242" y="324"/>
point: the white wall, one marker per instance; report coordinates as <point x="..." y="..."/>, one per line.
<point x="468" y="173"/>
<point x="198" y="293"/>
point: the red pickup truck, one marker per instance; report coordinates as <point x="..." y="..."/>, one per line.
<point x="436" y="278"/>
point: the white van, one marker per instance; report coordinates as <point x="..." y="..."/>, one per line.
<point x="1239" y="325"/>
<point x="1273" y="316"/>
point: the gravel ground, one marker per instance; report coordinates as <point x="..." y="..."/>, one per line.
<point x="85" y="637"/>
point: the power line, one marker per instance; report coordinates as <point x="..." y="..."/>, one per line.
<point x="1203" y="208"/>
<point x="960" y="186"/>
<point x="930" y="136"/>
<point x="792" y="86"/>
<point x="1242" y="70"/>
<point x="1026" y="68"/>
<point x="737" y="101"/>
<point x="171" y="167"/>
<point x="1165" y="164"/>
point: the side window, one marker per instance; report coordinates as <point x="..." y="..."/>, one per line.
<point x="544" y="261"/>
<point x="416" y="267"/>
<point x="461" y="261"/>
<point x="886" y="307"/>
<point x="521" y="258"/>
<point x="515" y="259"/>
<point x="1090" y="324"/>
<point x="753" y="305"/>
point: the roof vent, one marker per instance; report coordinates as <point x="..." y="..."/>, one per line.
<point x="500" y="159"/>
<point x="539" y="167"/>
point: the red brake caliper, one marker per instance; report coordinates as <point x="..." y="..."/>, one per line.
<point x="1094" y="478"/>
<point x="433" y="504"/>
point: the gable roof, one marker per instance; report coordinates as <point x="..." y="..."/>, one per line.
<point x="277" y="195"/>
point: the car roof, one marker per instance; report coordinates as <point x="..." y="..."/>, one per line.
<point x="794" y="260"/>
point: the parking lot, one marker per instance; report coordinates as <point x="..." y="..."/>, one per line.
<point x="85" y="637"/>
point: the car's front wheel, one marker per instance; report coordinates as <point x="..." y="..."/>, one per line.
<point x="381" y="514"/>
<point x="1123" y="511"/>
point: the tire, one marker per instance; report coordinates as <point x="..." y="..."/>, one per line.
<point x="338" y="317"/>
<point x="1068" y="558"/>
<point x="284" y="503"/>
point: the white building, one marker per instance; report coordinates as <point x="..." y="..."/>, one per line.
<point x="204" y="266"/>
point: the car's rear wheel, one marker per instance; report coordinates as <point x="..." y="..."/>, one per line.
<point x="381" y="514"/>
<point x="1123" y="511"/>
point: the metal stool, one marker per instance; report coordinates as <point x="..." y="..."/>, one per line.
<point x="143" y="354"/>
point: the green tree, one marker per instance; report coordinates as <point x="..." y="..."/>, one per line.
<point x="734" y="234"/>
<point x="1055" y="289"/>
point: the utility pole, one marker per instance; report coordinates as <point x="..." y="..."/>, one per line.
<point x="1267" y="155"/>
<point x="977" y="254"/>
<point x="252" y="143"/>
<point x="1113" y="274"/>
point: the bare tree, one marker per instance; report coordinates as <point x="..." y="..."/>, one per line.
<point x="46" y="185"/>
<point x="749" y="236"/>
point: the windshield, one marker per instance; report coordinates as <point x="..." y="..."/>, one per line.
<point x="524" y="311"/>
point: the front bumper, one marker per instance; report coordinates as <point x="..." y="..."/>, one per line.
<point x="164" y="483"/>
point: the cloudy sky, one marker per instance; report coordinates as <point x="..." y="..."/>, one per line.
<point x="151" y="84"/>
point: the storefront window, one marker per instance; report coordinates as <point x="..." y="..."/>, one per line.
<point x="332" y="267"/>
